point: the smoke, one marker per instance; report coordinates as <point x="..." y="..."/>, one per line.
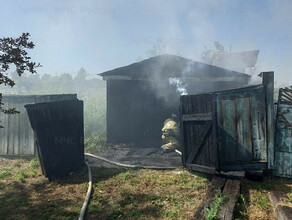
<point x="180" y="87"/>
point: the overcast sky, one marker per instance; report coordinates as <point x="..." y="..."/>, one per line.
<point x="102" y="35"/>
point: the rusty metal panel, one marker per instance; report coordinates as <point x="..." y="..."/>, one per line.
<point x="283" y="134"/>
<point x="241" y="118"/>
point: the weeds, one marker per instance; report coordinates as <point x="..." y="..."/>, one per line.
<point x="21" y="175"/>
<point x="95" y="142"/>
<point x="241" y="205"/>
<point x="4" y="173"/>
<point x="34" y="163"/>
<point x="214" y="208"/>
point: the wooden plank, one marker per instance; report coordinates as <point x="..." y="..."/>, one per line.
<point x="190" y="127"/>
<point x="201" y="168"/>
<point x="196" y="151"/>
<point x="205" y="153"/>
<point x="10" y="132"/>
<point x="268" y="82"/>
<point x="217" y="184"/>
<point x="214" y="157"/>
<point x="202" y="146"/>
<point x="2" y="134"/>
<point x="258" y="125"/>
<point x="230" y="191"/>
<point x="16" y="143"/>
<point x="198" y="117"/>
<point x="244" y="137"/>
<point x="281" y="209"/>
<point x="227" y="128"/>
<point x="209" y="145"/>
<point x="182" y="132"/>
<point x="244" y="166"/>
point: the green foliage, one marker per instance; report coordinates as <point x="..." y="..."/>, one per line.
<point x="241" y="205"/>
<point x="214" y="208"/>
<point x="4" y="173"/>
<point x="14" y="51"/>
<point x="95" y="142"/>
<point x="31" y="169"/>
<point x="35" y="163"/>
<point x="21" y="175"/>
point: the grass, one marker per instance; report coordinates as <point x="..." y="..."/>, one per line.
<point x="95" y="142"/>
<point x="4" y="173"/>
<point x="148" y="194"/>
<point x="254" y="202"/>
<point x="213" y="210"/>
<point x="117" y="193"/>
<point x="122" y="194"/>
<point x="241" y="206"/>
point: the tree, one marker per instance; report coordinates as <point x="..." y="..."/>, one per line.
<point x="13" y="52"/>
<point x="81" y="75"/>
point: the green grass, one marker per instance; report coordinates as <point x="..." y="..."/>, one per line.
<point x="21" y="175"/>
<point x="4" y="173"/>
<point x="241" y="206"/>
<point x="95" y="142"/>
<point x="143" y="194"/>
<point x="213" y="210"/>
<point x="253" y="201"/>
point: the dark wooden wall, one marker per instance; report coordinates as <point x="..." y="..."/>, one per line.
<point x="59" y="129"/>
<point x="198" y="130"/>
<point x="136" y="109"/>
<point x="135" y="114"/>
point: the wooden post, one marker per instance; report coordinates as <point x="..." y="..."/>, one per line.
<point x="268" y="82"/>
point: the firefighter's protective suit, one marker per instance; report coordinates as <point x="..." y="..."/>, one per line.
<point x="170" y="135"/>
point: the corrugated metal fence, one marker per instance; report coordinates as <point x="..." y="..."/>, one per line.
<point x="17" y="136"/>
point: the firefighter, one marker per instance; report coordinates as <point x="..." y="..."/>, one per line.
<point x="170" y="135"/>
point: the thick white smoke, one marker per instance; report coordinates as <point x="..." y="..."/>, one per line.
<point x="180" y="87"/>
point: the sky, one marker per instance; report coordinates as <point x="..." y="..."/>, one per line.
<point x="101" y="35"/>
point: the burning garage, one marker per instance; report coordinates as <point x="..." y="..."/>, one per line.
<point x="142" y="95"/>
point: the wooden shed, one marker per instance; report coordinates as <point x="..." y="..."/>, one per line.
<point x="142" y="95"/>
<point x="17" y="136"/>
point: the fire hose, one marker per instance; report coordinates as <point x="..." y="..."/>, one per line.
<point x="88" y="194"/>
<point x="86" y="201"/>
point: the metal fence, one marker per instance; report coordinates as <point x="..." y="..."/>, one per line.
<point x="17" y="136"/>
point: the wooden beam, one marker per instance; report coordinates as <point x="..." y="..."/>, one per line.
<point x="196" y="151"/>
<point x="182" y="134"/>
<point x="201" y="168"/>
<point x="217" y="184"/>
<point x="268" y="82"/>
<point x="197" y="117"/>
<point x="244" y="166"/>
<point x="230" y="192"/>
